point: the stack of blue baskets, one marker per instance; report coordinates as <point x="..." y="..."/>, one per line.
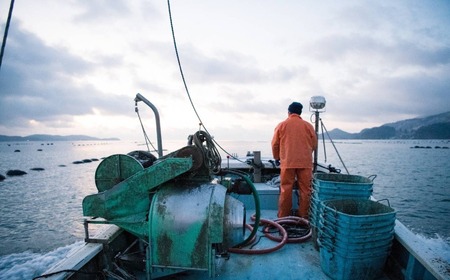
<point x="328" y="186"/>
<point x="355" y="238"/>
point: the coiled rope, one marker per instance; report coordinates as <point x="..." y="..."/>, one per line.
<point x="211" y="155"/>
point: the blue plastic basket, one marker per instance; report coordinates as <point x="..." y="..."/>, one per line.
<point x="329" y="186"/>
<point x="358" y="194"/>
<point x="354" y="251"/>
<point x="344" y="187"/>
<point x="340" y="267"/>
<point x="373" y="227"/>
<point x="337" y="180"/>
<point x="356" y="245"/>
<point x="355" y="237"/>
<point x="314" y="210"/>
<point x="357" y="211"/>
<point x="317" y="198"/>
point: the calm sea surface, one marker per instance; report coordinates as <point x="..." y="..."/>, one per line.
<point x="41" y="211"/>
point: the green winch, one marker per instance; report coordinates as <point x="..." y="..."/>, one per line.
<point x="173" y="205"/>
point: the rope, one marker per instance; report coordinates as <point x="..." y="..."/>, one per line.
<point x="186" y="87"/>
<point x="146" y="138"/>
<point x="323" y="141"/>
<point x="334" y="146"/>
<point x="211" y="155"/>
<point x="5" y="35"/>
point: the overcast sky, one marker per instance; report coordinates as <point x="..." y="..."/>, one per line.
<point x="74" y="67"/>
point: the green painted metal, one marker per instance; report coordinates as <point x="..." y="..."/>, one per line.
<point x="184" y="222"/>
<point x="127" y="203"/>
<point x="234" y="222"/>
<point x="115" y="169"/>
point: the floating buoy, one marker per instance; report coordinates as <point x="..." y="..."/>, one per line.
<point x="15" y="172"/>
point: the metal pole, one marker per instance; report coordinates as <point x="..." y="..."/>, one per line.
<point x="257" y="168"/>
<point x="317" y="137"/>
<point x="138" y="98"/>
<point x="5" y="36"/>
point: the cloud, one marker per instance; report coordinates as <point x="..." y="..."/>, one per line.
<point x="231" y="67"/>
<point x="374" y="63"/>
<point x="389" y="80"/>
<point x="95" y="10"/>
<point x="40" y="83"/>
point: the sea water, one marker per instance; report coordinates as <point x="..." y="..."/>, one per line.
<point x="41" y="214"/>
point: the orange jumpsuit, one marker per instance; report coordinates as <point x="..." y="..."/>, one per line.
<point x="293" y="143"/>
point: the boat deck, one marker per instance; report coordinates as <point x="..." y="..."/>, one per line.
<point x="292" y="261"/>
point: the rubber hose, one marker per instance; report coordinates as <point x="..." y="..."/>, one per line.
<point x="293" y="221"/>
<point x="257" y="209"/>
<point x="264" y="251"/>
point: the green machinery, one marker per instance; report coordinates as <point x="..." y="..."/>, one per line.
<point x="174" y="206"/>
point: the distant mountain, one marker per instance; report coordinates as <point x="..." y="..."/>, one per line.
<point x="340" y="134"/>
<point x="46" y="137"/>
<point x="431" y="127"/>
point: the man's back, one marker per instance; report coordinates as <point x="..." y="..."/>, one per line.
<point x="294" y="140"/>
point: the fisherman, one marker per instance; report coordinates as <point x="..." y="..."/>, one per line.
<point x="293" y="143"/>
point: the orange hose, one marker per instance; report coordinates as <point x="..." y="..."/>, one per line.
<point x="292" y="220"/>
<point x="282" y="242"/>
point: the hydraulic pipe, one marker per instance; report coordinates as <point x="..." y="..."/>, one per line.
<point x="138" y="98"/>
<point x="257" y="208"/>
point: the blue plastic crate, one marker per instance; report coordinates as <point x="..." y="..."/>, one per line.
<point x="356" y="191"/>
<point x="358" y="267"/>
<point x="357" y="211"/>
<point x="338" y="180"/>
<point x="356" y="246"/>
<point x="372" y="227"/>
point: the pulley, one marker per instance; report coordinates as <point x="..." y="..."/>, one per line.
<point x="115" y="169"/>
